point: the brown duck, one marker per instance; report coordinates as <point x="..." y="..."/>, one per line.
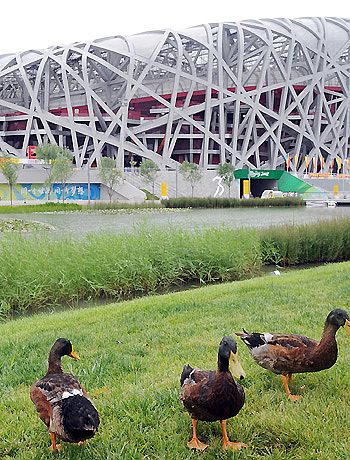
<point x="288" y="354"/>
<point x="214" y="395"/>
<point x="62" y="403"/>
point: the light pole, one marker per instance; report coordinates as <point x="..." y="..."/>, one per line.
<point x="176" y="181"/>
<point x="88" y="178"/>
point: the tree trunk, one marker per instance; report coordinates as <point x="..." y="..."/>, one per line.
<point x="229" y="191"/>
<point x="192" y="187"/>
<point x="11" y="194"/>
<point x="63" y="193"/>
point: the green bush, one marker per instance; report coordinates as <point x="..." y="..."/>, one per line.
<point x="231" y="202"/>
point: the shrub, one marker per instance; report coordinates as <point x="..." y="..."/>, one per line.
<point x="231" y="202"/>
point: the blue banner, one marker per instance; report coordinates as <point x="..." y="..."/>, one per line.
<point x="29" y="192"/>
<point x="77" y="191"/>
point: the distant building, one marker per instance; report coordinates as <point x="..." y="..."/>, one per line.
<point x="258" y="94"/>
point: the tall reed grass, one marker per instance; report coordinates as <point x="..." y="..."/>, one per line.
<point x="326" y="241"/>
<point x="40" y="271"/>
<point x="232" y="202"/>
<point x="171" y="203"/>
<point x="117" y="205"/>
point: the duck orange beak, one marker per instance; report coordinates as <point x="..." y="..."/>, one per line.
<point x="74" y="355"/>
<point x="347" y="326"/>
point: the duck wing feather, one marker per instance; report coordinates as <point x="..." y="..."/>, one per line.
<point x="48" y="392"/>
<point x="281" y="353"/>
<point x="210" y="395"/>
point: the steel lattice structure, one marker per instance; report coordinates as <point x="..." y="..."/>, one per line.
<point x="251" y="93"/>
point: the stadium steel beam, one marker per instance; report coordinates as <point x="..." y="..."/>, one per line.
<point x="253" y="93"/>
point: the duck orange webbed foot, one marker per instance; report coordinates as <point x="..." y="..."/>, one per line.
<point x="55" y="449"/>
<point x="226" y="442"/>
<point x="286" y="379"/>
<point x="195" y="443"/>
<point x="234" y="445"/>
<point x="294" y="398"/>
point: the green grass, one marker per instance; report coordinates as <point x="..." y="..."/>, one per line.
<point x="171" y="203"/>
<point x="326" y="241"/>
<point x="149" y="203"/>
<point x="185" y="202"/>
<point x="69" y="207"/>
<point x="44" y="207"/>
<point x="132" y="355"/>
<point x="42" y="271"/>
<point x="150" y="195"/>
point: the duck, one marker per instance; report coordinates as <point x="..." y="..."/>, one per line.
<point x="62" y="403"/>
<point x="289" y="354"/>
<point x="214" y="395"/>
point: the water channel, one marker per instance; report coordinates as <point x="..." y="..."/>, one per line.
<point x="79" y="223"/>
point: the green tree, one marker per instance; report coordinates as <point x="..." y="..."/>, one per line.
<point x="48" y="153"/>
<point x="110" y="175"/>
<point x="9" y="169"/>
<point x="62" y="169"/>
<point x="149" y="171"/>
<point x="191" y="172"/>
<point x="225" y="171"/>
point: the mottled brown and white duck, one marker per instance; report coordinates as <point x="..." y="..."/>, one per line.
<point x="62" y="403"/>
<point x="288" y="354"/>
<point x="214" y="395"/>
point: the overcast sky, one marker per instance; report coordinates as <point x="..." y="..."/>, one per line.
<point x="26" y="24"/>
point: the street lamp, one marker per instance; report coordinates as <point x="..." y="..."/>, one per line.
<point x="88" y="178"/>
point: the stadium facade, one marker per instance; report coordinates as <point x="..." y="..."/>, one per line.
<point x="258" y="94"/>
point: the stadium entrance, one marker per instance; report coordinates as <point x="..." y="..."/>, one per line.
<point x="254" y="182"/>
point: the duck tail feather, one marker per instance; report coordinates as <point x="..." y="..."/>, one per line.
<point x="80" y="417"/>
<point x="242" y="334"/>
<point x="253" y="339"/>
<point x="185" y="374"/>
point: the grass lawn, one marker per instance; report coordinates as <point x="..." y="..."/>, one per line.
<point x="42" y="207"/>
<point x="131" y="359"/>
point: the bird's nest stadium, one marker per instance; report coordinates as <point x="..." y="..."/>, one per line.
<point x="255" y="93"/>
